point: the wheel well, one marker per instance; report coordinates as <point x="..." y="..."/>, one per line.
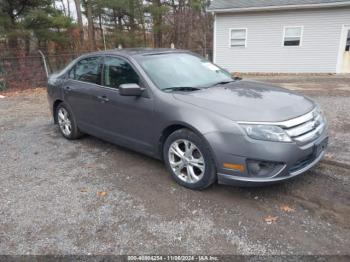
<point x="171" y="129"/>
<point x="55" y="105"/>
<point x="166" y="133"/>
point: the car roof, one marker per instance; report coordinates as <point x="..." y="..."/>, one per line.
<point x="132" y="52"/>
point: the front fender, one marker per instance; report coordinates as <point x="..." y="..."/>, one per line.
<point x="198" y="120"/>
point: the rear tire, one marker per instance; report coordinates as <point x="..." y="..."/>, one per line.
<point x="189" y="160"/>
<point x="66" y="122"/>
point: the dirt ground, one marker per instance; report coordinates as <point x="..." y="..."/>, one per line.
<point x="92" y="197"/>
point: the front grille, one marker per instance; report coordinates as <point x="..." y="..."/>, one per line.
<point x="306" y="128"/>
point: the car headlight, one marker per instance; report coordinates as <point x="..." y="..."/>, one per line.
<point x="266" y="132"/>
<point x="319" y="116"/>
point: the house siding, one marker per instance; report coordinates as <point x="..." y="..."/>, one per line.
<point x="265" y="52"/>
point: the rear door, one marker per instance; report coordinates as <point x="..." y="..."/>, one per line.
<point x="81" y="91"/>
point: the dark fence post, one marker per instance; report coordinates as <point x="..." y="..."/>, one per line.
<point x="2" y="76"/>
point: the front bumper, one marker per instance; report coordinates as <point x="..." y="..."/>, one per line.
<point x="243" y="181"/>
<point x="295" y="159"/>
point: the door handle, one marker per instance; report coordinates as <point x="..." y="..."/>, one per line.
<point x="67" y="89"/>
<point x="103" y="99"/>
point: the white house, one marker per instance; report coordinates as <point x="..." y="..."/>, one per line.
<point x="283" y="36"/>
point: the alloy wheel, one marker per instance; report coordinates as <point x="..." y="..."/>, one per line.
<point x="186" y="161"/>
<point x="64" y="121"/>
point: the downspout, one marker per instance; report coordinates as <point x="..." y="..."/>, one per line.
<point x="214" y="39"/>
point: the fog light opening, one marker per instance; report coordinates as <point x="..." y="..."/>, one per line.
<point x="258" y="168"/>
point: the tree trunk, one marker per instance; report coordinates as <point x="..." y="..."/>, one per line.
<point x="91" y="29"/>
<point x="80" y="21"/>
<point x="68" y="6"/>
<point x="101" y="31"/>
<point x="64" y="7"/>
<point x="157" y="21"/>
<point x="142" y="21"/>
<point x="27" y="45"/>
<point x="132" y="21"/>
<point x="12" y="37"/>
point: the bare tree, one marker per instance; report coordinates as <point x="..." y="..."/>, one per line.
<point x="157" y="23"/>
<point x="80" y="20"/>
<point x="68" y="8"/>
<point x="64" y="7"/>
<point x="91" y="29"/>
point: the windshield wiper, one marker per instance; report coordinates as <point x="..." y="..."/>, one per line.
<point x="182" y="88"/>
<point x="223" y="83"/>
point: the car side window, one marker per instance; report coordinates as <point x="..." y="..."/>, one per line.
<point x="87" y="70"/>
<point x="117" y="71"/>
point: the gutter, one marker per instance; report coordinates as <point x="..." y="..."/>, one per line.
<point x="284" y="7"/>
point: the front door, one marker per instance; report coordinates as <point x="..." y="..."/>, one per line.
<point x="346" y="50"/>
<point x="125" y="120"/>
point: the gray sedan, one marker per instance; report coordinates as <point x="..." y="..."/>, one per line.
<point x="178" y="107"/>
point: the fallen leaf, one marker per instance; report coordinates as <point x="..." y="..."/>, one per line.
<point x="270" y="219"/>
<point x="287" y="209"/>
<point x="101" y="193"/>
<point x="83" y="190"/>
<point x="90" y="165"/>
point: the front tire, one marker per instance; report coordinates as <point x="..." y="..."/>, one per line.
<point x="66" y="122"/>
<point x="189" y="160"/>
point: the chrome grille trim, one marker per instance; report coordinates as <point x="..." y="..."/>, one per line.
<point x="309" y="130"/>
<point x="308" y="137"/>
<point x="285" y="124"/>
<point x="297" y="121"/>
<point x="303" y="129"/>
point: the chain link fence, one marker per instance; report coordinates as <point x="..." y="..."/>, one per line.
<point x="28" y="71"/>
<point x="21" y="72"/>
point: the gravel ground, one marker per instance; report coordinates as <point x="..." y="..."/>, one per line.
<point x="92" y="197"/>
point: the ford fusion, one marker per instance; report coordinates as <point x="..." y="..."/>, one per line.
<point x="178" y="107"/>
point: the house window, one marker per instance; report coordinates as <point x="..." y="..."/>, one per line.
<point x="292" y="35"/>
<point x="238" y="37"/>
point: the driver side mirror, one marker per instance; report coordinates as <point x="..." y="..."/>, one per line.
<point x="130" y="90"/>
<point x="237" y="76"/>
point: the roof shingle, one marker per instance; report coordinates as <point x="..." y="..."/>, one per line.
<point x="242" y="4"/>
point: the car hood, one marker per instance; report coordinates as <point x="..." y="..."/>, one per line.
<point x="249" y="101"/>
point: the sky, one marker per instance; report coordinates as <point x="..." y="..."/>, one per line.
<point x="71" y="5"/>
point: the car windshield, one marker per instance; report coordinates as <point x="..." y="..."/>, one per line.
<point x="182" y="70"/>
